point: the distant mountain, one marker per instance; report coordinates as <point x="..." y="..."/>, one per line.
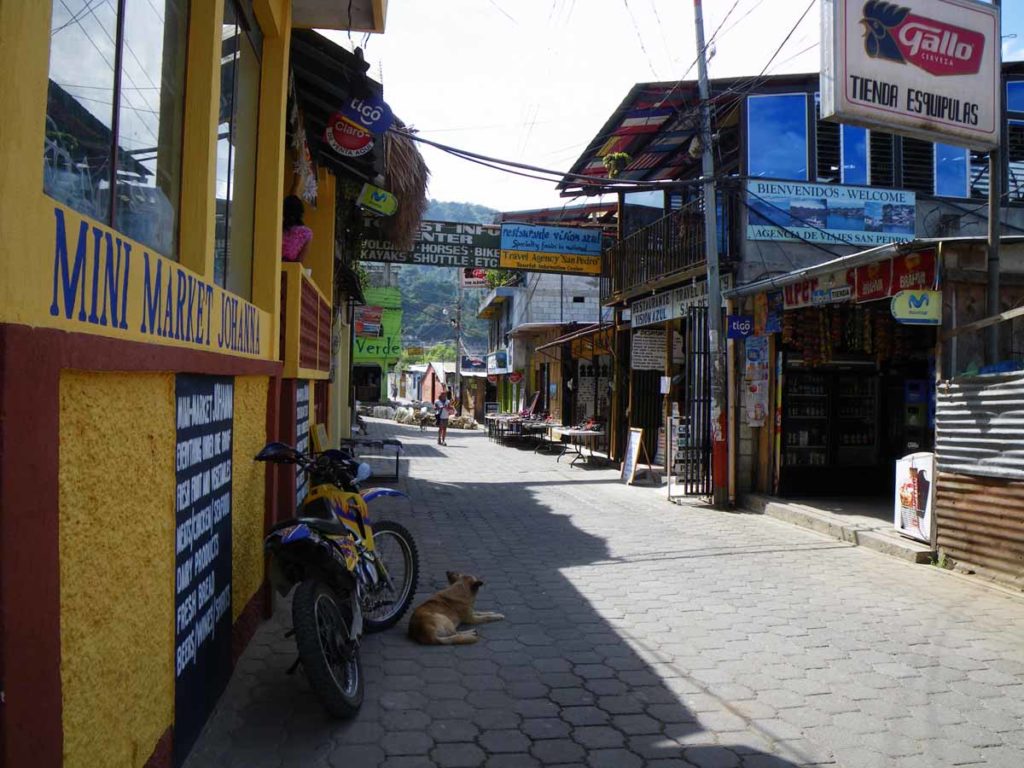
<point x="428" y="291"/>
<point x="468" y="213"/>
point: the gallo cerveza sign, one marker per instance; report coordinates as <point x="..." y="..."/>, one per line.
<point x="925" y="68"/>
<point x="103" y="282"/>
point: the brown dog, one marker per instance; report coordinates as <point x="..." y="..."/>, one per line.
<point x="436" y="620"/>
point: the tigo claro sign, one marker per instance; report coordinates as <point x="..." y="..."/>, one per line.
<point x="345" y="138"/>
<point x="924" y="68"/>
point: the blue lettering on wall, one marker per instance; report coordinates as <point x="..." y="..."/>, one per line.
<point x="71" y="278"/>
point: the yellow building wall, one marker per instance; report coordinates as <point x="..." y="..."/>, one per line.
<point x="117" y="554"/>
<point x="248" y="490"/>
<point x="117" y="481"/>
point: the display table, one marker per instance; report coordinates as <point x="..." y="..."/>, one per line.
<point x="578" y="440"/>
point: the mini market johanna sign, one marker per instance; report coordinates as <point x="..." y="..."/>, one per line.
<point x="924" y="68"/>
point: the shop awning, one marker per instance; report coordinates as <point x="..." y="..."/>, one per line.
<point x="524" y="329"/>
<point x="852" y="260"/>
<point x="587" y="330"/>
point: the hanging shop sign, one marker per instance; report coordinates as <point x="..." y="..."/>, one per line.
<point x="204" y="417"/>
<point x="913" y="270"/>
<point x="671" y="305"/>
<point x="378" y="200"/>
<point x="473" y="364"/>
<point x="368" y="113"/>
<point x="440" y="244"/>
<point x="917" y="307"/>
<point x="923" y="68"/>
<point x="368" y="320"/>
<point x="560" y="250"/>
<point x="874" y="281"/>
<point x="497" y="362"/>
<point x="868" y="282"/>
<point x="345" y="138"/>
<point x="829" y="213"/>
<point x="740" y="326"/>
<point x="474" y="277"/>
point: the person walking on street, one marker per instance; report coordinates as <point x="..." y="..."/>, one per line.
<point x="443" y="409"/>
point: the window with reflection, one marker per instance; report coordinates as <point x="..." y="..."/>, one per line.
<point x="114" y="114"/>
<point x="951" y="164"/>
<point x="241" y="52"/>
<point x="1015" y="139"/>
<point x="777" y="136"/>
<point x="853" y="148"/>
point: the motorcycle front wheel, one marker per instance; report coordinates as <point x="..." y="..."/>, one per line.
<point x="329" y="656"/>
<point x="394" y="545"/>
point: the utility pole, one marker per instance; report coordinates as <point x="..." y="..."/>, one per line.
<point x="719" y="446"/>
<point x="995" y="188"/>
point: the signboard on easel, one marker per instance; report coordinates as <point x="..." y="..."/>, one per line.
<point x="633" y="446"/>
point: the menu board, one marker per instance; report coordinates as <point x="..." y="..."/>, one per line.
<point x="202" y="595"/>
<point x="648" y="351"/>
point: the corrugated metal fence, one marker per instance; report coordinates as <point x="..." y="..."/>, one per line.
<point x="979" y="452"/>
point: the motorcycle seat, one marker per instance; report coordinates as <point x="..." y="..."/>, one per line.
<point x="330" y="527"/>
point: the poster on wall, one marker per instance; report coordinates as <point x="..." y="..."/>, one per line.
<point x="755" y="380"/>
<point x="204" y="408"/>
<point x="586" y="392"/>
<point x="648" y="351"/>
<point x="473" y="277"/>
<point x="368" y="320"/>
<point x="301" y="439"/>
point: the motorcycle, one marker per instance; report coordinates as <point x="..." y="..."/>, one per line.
<point x="350" y="574"/>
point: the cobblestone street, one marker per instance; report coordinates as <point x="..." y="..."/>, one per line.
<point x="641" y="633"/>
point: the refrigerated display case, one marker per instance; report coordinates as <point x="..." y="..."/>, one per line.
<point x="830" y="430"/>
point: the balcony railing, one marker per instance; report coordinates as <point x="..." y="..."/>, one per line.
<point x="671" y="246"/>
<point x="305" y="326"/>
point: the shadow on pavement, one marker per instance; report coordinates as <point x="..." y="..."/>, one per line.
<point x="562" y="681"/>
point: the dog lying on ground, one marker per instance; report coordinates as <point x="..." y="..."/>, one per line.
<point x="436" y="621"/>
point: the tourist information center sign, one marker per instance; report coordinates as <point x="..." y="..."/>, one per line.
<point x="441" y="244"/>
<point x="924" y="68"/>
<point x="829" y="213"/>
<point x="561" y="250"/>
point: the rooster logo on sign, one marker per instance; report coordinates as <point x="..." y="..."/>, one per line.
<point x="879" y="19"/>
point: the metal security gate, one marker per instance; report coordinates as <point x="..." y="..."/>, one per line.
<point x="692" y="442"/>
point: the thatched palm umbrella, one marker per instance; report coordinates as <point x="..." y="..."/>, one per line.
<point x="406" y="176"/>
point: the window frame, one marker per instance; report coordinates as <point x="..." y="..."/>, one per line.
<point x="966" y="192"/>
<point x="109" y="218"/>
<point x="808" y="119"/>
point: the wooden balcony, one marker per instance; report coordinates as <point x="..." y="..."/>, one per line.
<point x="670" y="249"/>
<point x="306" y="321"/>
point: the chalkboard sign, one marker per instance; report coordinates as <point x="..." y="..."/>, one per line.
<point x="202" y="546"/>
<point x="301" y="440"/>
<point x="629" y="463"/>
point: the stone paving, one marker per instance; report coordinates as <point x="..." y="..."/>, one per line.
<point x="641" y="633"/>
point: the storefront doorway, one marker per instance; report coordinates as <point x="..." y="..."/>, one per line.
<point x="857" y="394"/>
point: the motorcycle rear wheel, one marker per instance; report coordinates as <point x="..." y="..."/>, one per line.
<point x="397" y="547"/>
<point x="330" y="658"/>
